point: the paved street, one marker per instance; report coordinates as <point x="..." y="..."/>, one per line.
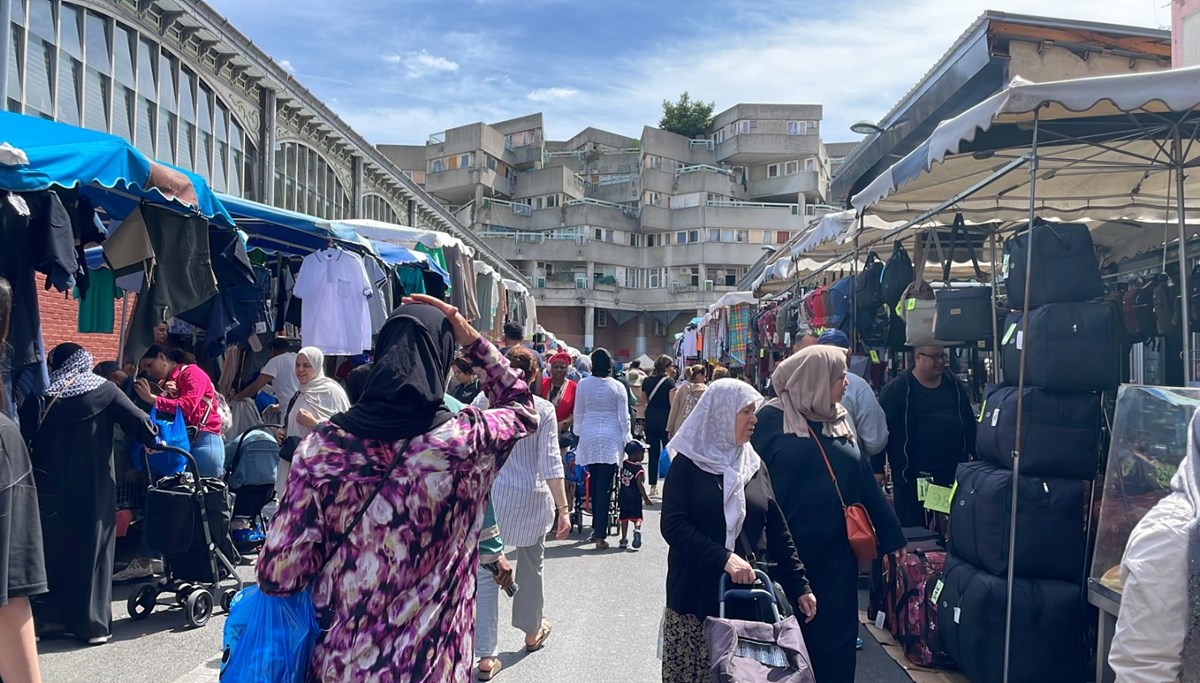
<point x="605" y="608"/>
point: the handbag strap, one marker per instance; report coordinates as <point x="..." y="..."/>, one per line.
<point x="291" y="404"/>
<point x="828" y="466"/>
<point x="654" y="392"/>
<point x="362" y="511"/>
<point x="960" y="227"/>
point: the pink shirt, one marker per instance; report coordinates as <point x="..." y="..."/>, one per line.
<point x="192" y="387"/>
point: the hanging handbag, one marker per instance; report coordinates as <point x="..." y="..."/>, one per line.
<point x="963" y="314"/>
<point x="270" y="638"/>
<point x="859" y="528"/>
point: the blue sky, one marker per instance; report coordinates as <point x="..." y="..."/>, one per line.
<point x="400" y="70"/>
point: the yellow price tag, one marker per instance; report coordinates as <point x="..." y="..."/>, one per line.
<point x="982" y="412"/>
<point x="911" y="305"/>
<point x="1008" y="334"/>
<point x="874" y="356"/>
<point x="937" y="498"/>
<point x="953" y="489"/>
<point x="923" y="487"/>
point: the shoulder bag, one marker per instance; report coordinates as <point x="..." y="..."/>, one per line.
<point x="859" y="528"/>
<point x="287" y="449"/>
<point x="654" y="392"/>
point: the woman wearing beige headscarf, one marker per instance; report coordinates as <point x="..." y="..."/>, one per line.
<point x="797" y="433"/>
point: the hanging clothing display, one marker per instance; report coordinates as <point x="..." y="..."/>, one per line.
<point x="739" y="333"/>
<point x="25" y="363"/>
<point x="182" y="277"/>
<point x="96" y="304"/>
<point x="54" y="242"/>
<point x="336" y="292"/>
<point x="380" y="303"/>
<point x="484" y="287"/>
<point x="229" y="316"/>
<point x="88" y="229"/>
<point x="462" y="274"/>
<point x="129" y="252"/>
<point x="412" y="278"/>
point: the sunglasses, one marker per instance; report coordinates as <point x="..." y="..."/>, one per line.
<point x="935" y="357"/>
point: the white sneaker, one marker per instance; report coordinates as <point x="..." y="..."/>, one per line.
<point x="139" y="568"/>
<point x="99" y="640"/>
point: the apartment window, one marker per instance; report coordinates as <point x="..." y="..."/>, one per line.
<point x="653" y="198"/>
<point x="508" y="142"/>
<point x="773" y="170"/>
<point x="635" y="240"/>
<point x="656" y="239"/>
<point x="797" y="127"/>
<point x="551" y="201"/>
<point x="653" y="161"/>
<point x="681" y="237"/>
<point x="601" y="318"/>
<point x="810" y="164"/>
<point x="791" y="168"/>
<point x="491" y="163"/>
<point x="744" y="127"/>
<point x="464" y="160"/>
<point x="741" y="236"/>
<point x="693" y="235"/>
<point x="437" y="165"/>
<point x="660" y="330"/>
<point x="694" y="277"/>
<point x="766" y="236"/>
<point x="714" y="235"/>
<point x="631" y="278"/>
<point x="655" y="278"/>
<point x="731" y="277"/>
<point x="782" y="236"/>
<point x="719" y="136"/>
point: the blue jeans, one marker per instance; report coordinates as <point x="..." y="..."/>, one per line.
<point x="209" y="451"/>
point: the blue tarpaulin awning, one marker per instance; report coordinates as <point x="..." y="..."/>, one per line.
<point x="398" y="255"/>
<point x="109" y="171"/>
<point x="281" y="230"/>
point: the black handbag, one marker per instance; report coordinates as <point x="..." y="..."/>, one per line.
<point x="964" y="314"/>
<point x="287" y="449"/>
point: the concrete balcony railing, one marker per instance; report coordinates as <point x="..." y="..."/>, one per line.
<point x="660" y="299"/>
<point x="751" y="147"/>
<point x="574" y="212"/>
<point x="806" y="183"/>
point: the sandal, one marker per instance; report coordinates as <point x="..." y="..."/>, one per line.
<point x="490" y="673"/>
<point x="543" y="634"/>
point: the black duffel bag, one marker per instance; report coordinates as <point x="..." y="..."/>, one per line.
<point x="1069" y="347"/>
<point x="1048" y="628"/>
<point x="1060" y="431"/>
<point x="1064" y="265"/>
<point x="1050" y="522"/>
<point x="964" y="314"/>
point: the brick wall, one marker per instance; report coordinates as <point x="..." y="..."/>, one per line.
<point x="60" y="322"/>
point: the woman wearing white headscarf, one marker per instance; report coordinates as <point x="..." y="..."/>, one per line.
<point x="318" y="399"/>
<point x="718" y="508"/>
<point x="795" y="432"/>
<point x="1158" y="631"/>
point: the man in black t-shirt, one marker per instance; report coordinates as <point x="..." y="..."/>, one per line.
<point x="931" y="429"/>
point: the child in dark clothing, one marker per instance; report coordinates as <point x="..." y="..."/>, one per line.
<point x="632" y="494"/>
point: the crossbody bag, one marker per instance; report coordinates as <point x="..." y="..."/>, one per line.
<point x="859" y="528"/>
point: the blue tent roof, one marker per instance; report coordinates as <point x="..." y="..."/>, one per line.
<point x="288" y="231"/>
<point x="112" y="173"/>
<point x="397" y="255"/>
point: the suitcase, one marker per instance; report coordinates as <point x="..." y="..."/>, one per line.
<point x="1065" y="267"/>
<point x="1048" y="628"/>
<point x="919" y="538"/>
<point x="963" y="314"/>
<point x="1070" y="347"/>
<point x="910" y="613"/>
<point x="1050" y="522"/>
<point x="1060" y="431"/>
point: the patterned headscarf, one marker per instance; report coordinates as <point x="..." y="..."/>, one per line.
<point x="707" y="438"/>
<point x="71" y="372"/>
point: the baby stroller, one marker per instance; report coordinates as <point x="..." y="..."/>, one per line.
<point x="187" y="520"/>
<point x="250" y="466"/>
<point x="576" y="477"/>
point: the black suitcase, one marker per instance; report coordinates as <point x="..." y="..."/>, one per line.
<point x="1050" y="522"/>
<point x="1069" y="347"/>
<point x="1048" y="628"/>
<point x="1065" y="267"/>
<point x="964" y="314"/>
<point x="1060" y="431"/>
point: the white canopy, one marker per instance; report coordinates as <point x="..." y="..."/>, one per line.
<point x="1106" y="152"/>
<point x="400" y="234"/>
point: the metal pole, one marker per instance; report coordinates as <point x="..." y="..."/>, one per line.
<point x="5" y="46"/>
<point x="1189" y="367"/>
<point x="121" y="338"/>
<point x="1016" y="454"/>
<point x="854" y="289"/>
<point x="995" y="305"/>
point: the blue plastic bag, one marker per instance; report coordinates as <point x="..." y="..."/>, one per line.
<point x="267" y="638"/>
<point x="664" y="464"/>
<point x="172" y="433"/>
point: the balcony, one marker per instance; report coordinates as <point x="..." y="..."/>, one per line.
<point x="573" y="212"/>
<point x="786" y="186"/>
<point x="750" y="148"/>
<point x="457" y="186"/>
<point x="735" y="214"/>
<point x="621" y="298"/>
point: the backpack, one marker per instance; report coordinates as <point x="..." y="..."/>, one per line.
<point x="896" y="276"/>
<point x="868" y="285"/>
<point x="1166" y="310"/>
<point x="816" y="306"/>
<point x="1129" y="313"/>
<point x="840" y="294"/>
<point x="1143" y="310"/>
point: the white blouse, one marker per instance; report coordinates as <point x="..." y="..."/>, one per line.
<point x="601" y="421"/>
<point x="523" y="502"/>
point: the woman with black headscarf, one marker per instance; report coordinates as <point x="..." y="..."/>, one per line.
<point x="77" y="491"/>
<point x="401" y="588"/>
<point x="602" y="423"/>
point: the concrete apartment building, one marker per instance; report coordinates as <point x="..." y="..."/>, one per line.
<point x="626" y="239"/>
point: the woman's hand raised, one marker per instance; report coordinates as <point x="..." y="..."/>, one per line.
<point x="739" y="570"/>
<point x="464" y="334"/>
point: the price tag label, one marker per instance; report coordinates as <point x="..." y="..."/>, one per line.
<point x="911" y="304"/>
<point x="923" y="487"/>
<point x="1020" y="340"/>
<point x="995" y="417"/>
<point x="982" y="411"/>
<point x="957" y="614"/>
<point x="1008" y="333"/>
<point x="937" y="498"/>
<point x="874" y="356"/>
<point x="937" y="591"/>
<point x="880" y="619"/>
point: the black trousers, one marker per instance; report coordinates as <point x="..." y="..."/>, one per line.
<point x="600" y="485"/>
<point x="656" y="438"/>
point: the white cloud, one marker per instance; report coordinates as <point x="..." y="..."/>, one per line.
<point x="287" y="66"/>
<point x="423" y="63"/>
<point x="551" y="94"/>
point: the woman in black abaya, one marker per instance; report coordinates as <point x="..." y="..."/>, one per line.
<point x="74" y="469"/>
<point x="792" y="432"/>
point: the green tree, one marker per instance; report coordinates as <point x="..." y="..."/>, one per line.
<point x="687" y="117"/>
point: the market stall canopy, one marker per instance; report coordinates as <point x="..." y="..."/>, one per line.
<point x="833" y="230"/>
<point x="278" y="229"/>
<point x="400" y="234"/>
<point x="110" y="172"/>
<point x="396" y="255"/>
<point x="1108" y="150"/>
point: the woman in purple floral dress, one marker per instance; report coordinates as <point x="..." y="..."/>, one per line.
<point x="399" y="595"/>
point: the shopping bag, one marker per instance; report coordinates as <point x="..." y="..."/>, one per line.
<point x="267" y="638"/>
<point x="172" y="432"/>
<point x="664" y="464"/>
